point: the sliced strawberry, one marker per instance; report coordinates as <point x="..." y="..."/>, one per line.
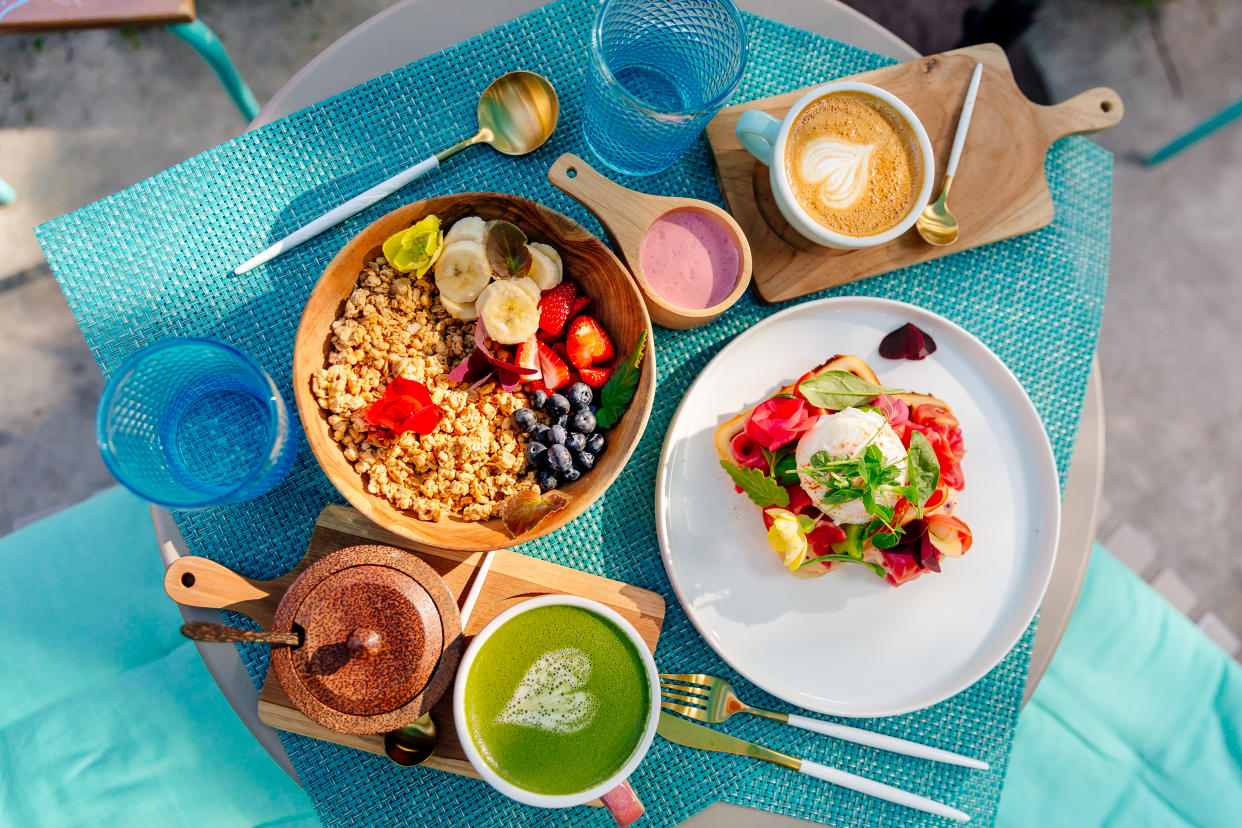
<point x="558" y="348"/>
<point x="537" y="385"/>
<point x="587" y="343"/>
<point x="555" y="371"/>
<point x="595" y="377"/>
<point x="544" y="336"/>
<point x="555" y="305"/>
<point x="579" y="305"/>
<point x="574" y="376"/>
<point x="528" y="357"/>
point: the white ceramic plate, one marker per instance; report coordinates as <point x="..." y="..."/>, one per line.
<point x="848" y="643"/>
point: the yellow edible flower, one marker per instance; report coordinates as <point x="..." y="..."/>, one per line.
<point x="787" y="537"/>
<point x="415" y="249"/>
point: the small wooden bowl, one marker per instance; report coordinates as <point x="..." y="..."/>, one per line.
<point x="626" y="215"/>
<point x="617" y="305"/>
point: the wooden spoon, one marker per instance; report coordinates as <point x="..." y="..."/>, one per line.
<point x="203" y="631"/>
<point x="626" y="214"/>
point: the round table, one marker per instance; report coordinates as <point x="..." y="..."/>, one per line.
<point x="414" y="29"/>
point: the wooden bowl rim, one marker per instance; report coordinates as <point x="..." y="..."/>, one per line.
<point x="450" y="533"/>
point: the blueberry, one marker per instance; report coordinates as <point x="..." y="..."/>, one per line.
<point x="585" y="460"/>
<point x="546" y="478"/>
<point x="556" y="405"/>
<point x="559" y="458"/>
<point x="576" y="441"/>
<point x="570" y="476"/>
<point x="584" y="421"/>
<point x="563" y="421"/>
<point x="580" y="394"/>
<point x="538" y="399"/>
<point x="540" y="432"/>
<point x="525" y="420"/>
<point x="535" y="453"/>
<point x="557" y="435"/>
<point x="595" y="443"/>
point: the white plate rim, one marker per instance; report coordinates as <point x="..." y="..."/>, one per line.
<point x="1048" y="485"/>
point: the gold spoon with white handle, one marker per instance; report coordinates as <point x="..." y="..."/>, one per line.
<point x="517" y="113"/>
<point x="936" y="224"/>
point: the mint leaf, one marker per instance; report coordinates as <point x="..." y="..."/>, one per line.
<point x="616" y="394"/>
<point x="760" y="488"/>
<point x="838" y="390"/>
<point x="922" y="467"/>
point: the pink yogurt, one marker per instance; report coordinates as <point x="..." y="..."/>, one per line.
<point x="690" y="259"/>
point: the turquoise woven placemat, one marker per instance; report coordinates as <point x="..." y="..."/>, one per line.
<point x="151" y="262"/>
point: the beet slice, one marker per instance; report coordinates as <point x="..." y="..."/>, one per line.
<point x="907" y="342"/>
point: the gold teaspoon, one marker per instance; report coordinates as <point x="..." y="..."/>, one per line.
<point x="517" y="113"/>
<point x="936" y="224"/>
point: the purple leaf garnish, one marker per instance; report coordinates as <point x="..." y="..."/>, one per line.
<point x="907" y="342"/>
<point x="506" y="251"/>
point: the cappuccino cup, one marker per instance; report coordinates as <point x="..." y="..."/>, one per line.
<point x="851" y="166"/>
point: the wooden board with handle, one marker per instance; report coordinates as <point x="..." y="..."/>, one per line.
<point x="513" y="578"/>
<point x="999" y="192"/>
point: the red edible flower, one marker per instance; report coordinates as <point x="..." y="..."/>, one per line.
<point x="779" y="421"/>
<point x="405" y="406"/>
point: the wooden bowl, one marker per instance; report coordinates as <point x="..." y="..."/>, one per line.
<point x="617" y="305"/>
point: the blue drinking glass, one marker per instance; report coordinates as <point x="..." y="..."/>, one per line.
<point x="188" y="423"/>
<point x="660" y="70"/>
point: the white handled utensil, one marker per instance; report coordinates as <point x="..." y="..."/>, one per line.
<point x="517" y="113"/>
<point x="711" y="699"/>
<point x="683" y="732"/>
<point x="472" y="596"/>
<point x="936" y="224"/>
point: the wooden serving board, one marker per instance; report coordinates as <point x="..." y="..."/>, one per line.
<point x="511" y="579"/>
<point x="999" y="190"/>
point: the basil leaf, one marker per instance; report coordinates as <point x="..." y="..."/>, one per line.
<point x="922" y="467"/>
<point x="760" y="488"/>
<point x="786" y="470"/>
<point x="616" y="394"/>
<point x="874" y="567"/>
<point x="506" y="251"/>
<point x="884" y="540"/>
<point x="837" y="390"/>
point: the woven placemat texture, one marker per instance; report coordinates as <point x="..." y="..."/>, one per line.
<point x="152" y="262"/>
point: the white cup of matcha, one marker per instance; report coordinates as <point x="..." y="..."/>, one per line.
<point x="556" y="703"/>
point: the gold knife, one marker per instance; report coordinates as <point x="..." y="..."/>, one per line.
<point x="689" y="734"/>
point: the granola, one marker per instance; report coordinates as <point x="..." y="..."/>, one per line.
<point x="474" y="459"/>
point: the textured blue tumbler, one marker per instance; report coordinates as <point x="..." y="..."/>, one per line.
<point x="188" y="423"/>
<point x="659" y="71"/>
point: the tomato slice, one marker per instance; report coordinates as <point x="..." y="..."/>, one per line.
<point x="928" y="414"/>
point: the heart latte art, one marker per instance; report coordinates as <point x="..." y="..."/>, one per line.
<point x="549" y="697"/>
<point x="841" y="168"/>
<point x="853" y="163"/>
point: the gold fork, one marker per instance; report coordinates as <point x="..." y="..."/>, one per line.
<point x="712" y="700"/>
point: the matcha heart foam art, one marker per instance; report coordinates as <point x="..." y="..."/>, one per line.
<point x="548" y="696"/>
<point x="552" y="682"/>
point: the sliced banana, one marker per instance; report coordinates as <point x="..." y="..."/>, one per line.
<point x="527" y="284"/>
<point x="459" y="310"/>
<point x="470" y="228"/>
<point x="508" y="311"/>
<point x="546" y="268"/>
<point x="462" y="271"/>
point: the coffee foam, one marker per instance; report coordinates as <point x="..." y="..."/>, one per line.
<point x="853" y="163"/>
<point x="549" y="698"/>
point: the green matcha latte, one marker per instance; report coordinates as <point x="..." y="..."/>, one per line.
<point x="557" y="700"/>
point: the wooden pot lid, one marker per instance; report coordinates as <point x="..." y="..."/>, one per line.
<point x="381" y="638"/>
